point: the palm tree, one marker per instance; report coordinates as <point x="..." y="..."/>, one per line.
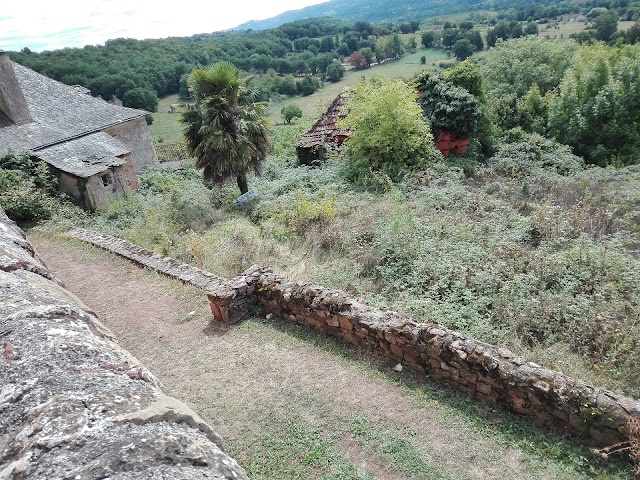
<point x="226" y="130"/>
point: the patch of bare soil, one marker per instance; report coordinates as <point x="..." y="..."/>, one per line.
<point x="243" y="380"/>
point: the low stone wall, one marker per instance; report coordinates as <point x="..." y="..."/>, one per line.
<point x="73" y="403"/>
<point x="563" y="404"/>
<point x="145" y="258"/>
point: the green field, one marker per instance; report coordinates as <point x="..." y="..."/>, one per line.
<point x="565" y="29"/>
<point x="166" y="126"/>
<point x="314" y="105"/>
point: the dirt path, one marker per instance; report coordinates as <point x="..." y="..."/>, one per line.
<point x="286" y="407"/>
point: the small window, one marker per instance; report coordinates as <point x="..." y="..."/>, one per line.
<point x="106" y="179"/>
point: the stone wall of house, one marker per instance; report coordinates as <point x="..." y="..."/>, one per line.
<point x="129" y="172"/>
<point x="92" y="193"/>
<point x="135" y="134"/>
<point x="563" y="404"/>
<point x="96" y="194"/>
<point x="73" y="403"/>
<point x="71" y="185"/>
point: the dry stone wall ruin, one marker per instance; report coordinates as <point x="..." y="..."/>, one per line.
<point x="73" y="403"/>
<point x="558" y="402"/>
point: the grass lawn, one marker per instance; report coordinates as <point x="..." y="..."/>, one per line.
<point x="164" y="104"/>
<point x="166" y="126"/>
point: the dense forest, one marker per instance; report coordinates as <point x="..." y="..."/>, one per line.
<point x="159" y="66"/>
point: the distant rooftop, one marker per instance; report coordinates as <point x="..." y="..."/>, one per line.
<point x="326" y="128"/>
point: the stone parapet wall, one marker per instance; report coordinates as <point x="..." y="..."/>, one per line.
<point x="76" y="405"/>
<point x="563" y="404"/>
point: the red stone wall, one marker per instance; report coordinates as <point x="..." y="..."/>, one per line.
<point x="563" y="404"/>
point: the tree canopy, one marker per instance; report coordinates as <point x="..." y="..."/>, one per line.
<point x="597" y="109"/>
<point x="290" y="111"/>
<point x="446" y="106"/>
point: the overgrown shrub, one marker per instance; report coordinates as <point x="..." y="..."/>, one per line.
<point x="389" y="134"/>
<point x="28" y="192"/>
<point x="534" y="152"/>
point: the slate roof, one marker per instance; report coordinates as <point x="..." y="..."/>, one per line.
<point x="325" y="129"/>
<point x="85" y="156"/>
<point x="60" y="112"/>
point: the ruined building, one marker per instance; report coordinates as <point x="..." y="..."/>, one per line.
<point x="95" y="148"/>
<point x="324" y="134"/>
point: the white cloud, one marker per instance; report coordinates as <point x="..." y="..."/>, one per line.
<point x="49" y="25"/>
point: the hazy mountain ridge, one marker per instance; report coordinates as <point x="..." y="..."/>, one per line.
<point x="373" y="11"/>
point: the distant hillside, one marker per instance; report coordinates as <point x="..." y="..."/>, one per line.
<point x="369" y="10"/>
<point x="403" y="10"/>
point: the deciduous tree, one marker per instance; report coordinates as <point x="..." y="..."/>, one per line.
<point x="428" y="39"/>
<point x="357" y="60"/>
<point x="335" y="72"/>
<point x="290" y="111"/>
<point x="463" y="49"/>
<point x="142" y="98"/>
<point x="597" y="110"/>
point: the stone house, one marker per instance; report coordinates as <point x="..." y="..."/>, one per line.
<point x="95" y="148"/>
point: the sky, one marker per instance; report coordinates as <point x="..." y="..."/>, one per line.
<point x="48" y="25"/>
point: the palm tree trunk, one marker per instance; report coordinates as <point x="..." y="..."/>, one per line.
<point x="242" y="183"/>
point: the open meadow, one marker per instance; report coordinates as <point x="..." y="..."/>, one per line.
<point x="566" y="29"/>
<point x="167" y="127"/>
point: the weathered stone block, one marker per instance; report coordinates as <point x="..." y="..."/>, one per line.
<point x="344" y="323"/>
<point x="483" y="388"/>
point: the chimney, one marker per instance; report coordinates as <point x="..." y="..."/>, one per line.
<point x="12" y="101"/>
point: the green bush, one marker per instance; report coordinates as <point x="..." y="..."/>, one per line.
<point x="28" y="192"/>
<point x="532" y="153"/>
<point x="290" y="111"/>
<point x="389" y="135"/>
<point x="446" y="106"/>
